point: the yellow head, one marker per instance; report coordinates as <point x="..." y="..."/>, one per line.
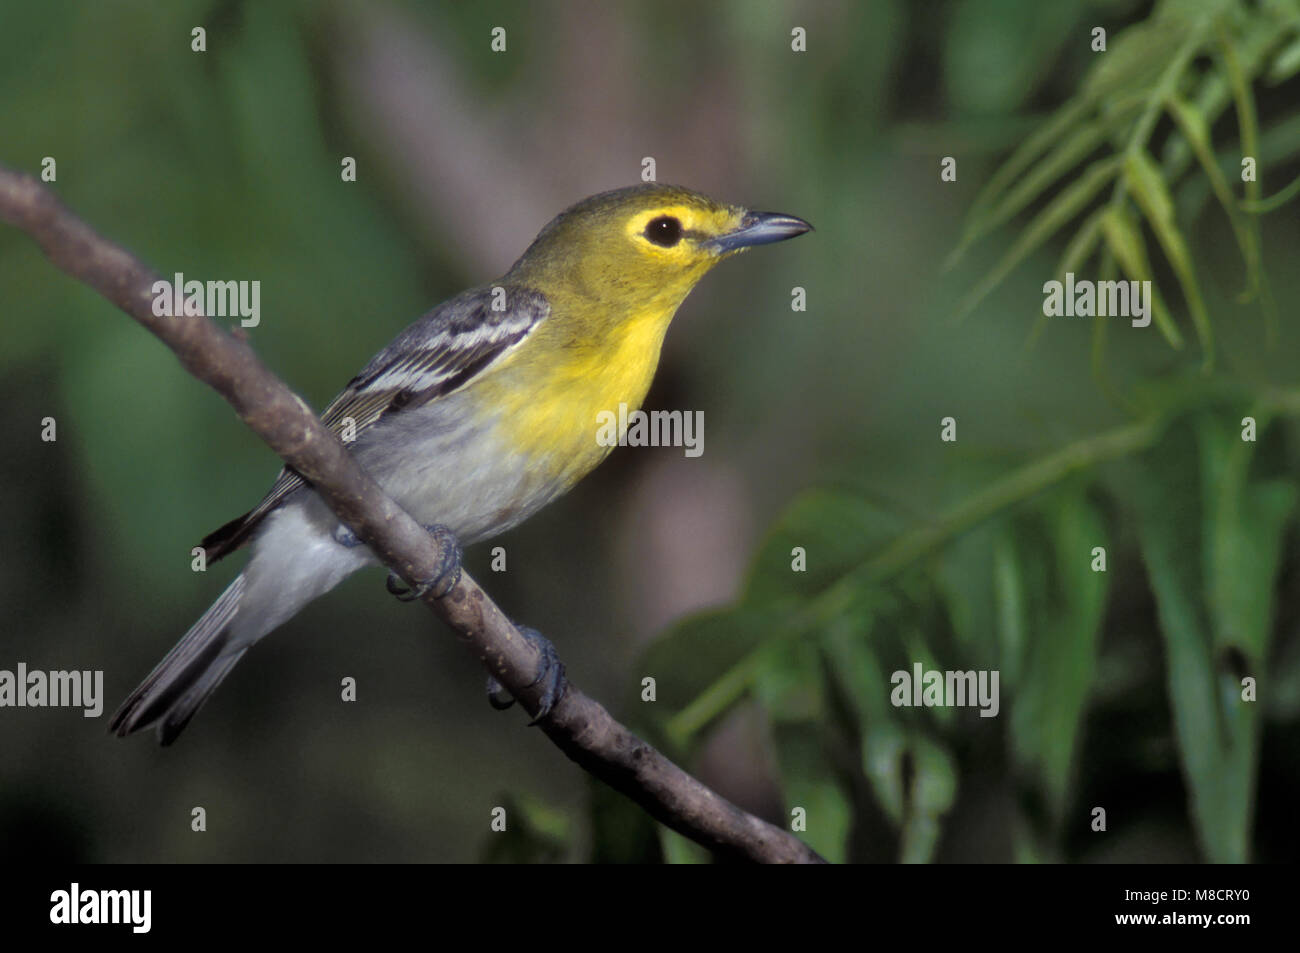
<point x="642" y="248"/>
<point x="613" y="269"/>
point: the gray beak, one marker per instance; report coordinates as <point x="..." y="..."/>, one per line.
<point x="759" y="228"/>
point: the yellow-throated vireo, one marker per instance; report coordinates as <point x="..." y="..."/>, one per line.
<point x="474" y="417"/>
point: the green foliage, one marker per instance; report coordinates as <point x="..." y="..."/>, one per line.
<point x="1211" y="538"/>
<point x="1025" y="594"/>
<point x="1105" y="137"/>
<point x="1064" y="616"/>
<point x="1018" y="576"/>
<point x="788" y="683"/>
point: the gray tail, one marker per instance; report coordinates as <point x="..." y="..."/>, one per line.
<point x="182" y="682"/>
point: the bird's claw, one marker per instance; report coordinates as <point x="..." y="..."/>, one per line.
<point x="443" y="581"/>
<point x="550" y="674"/>
<point x="498" y="697"/>
<point x="345" y="537"/>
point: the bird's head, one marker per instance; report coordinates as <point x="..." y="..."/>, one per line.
<point x="645" y="243"/>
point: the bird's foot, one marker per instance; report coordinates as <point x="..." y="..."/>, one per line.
<point x="345" y="537"/>
<point x="550" y="675"/>
<point x="444" y="580"/>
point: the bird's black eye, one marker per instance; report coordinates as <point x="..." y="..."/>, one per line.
<point x="664" y="230"/>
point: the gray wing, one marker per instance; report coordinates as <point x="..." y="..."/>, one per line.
<point x="435" y="356"/>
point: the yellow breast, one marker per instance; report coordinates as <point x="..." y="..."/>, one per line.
<point x="553" y="389"/>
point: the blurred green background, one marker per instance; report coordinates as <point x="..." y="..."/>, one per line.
<point x="1119" y="690"/>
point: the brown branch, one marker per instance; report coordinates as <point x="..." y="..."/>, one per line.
<point x="580" y="726"/>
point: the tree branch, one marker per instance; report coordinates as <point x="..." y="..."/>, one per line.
<point x="578" y="725"/>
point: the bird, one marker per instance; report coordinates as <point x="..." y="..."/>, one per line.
<point x="476" y="416"/>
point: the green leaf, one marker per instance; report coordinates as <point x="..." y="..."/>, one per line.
<point x="883" y="747"/>
<point x="1010" y="172"/>
<point x="788" y="682"/>
<point x="1170" y="534"/>
<point x="884" y="741"/>
<point x="1245" y="521"/>
<point x="931" y="796"/>
<point x="1196" y="131"/>
<point x="855" y="670"/>
<point x="1208" y="96"/>
<point x="1285" y="64"/>
<point x="835" y="532"/>
<point x="1125" y="242"/>
<point x="1135" y="59"/>
<point x="913" y="778"/>
<point x="1048" y="711"/>
<point x="1274" y="202"/>
<point x="1069" y="203"/>
<point x="1034" y="183"/>
<point x="964" y="576"/>
<point x="916" y="647"/>
<point x="1244" y="100"/>
<point x="1210" y="538"/>
<point x="1147" y="186"/>
<point x="1077" y="252"/>
<point x="789" y="685"/>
